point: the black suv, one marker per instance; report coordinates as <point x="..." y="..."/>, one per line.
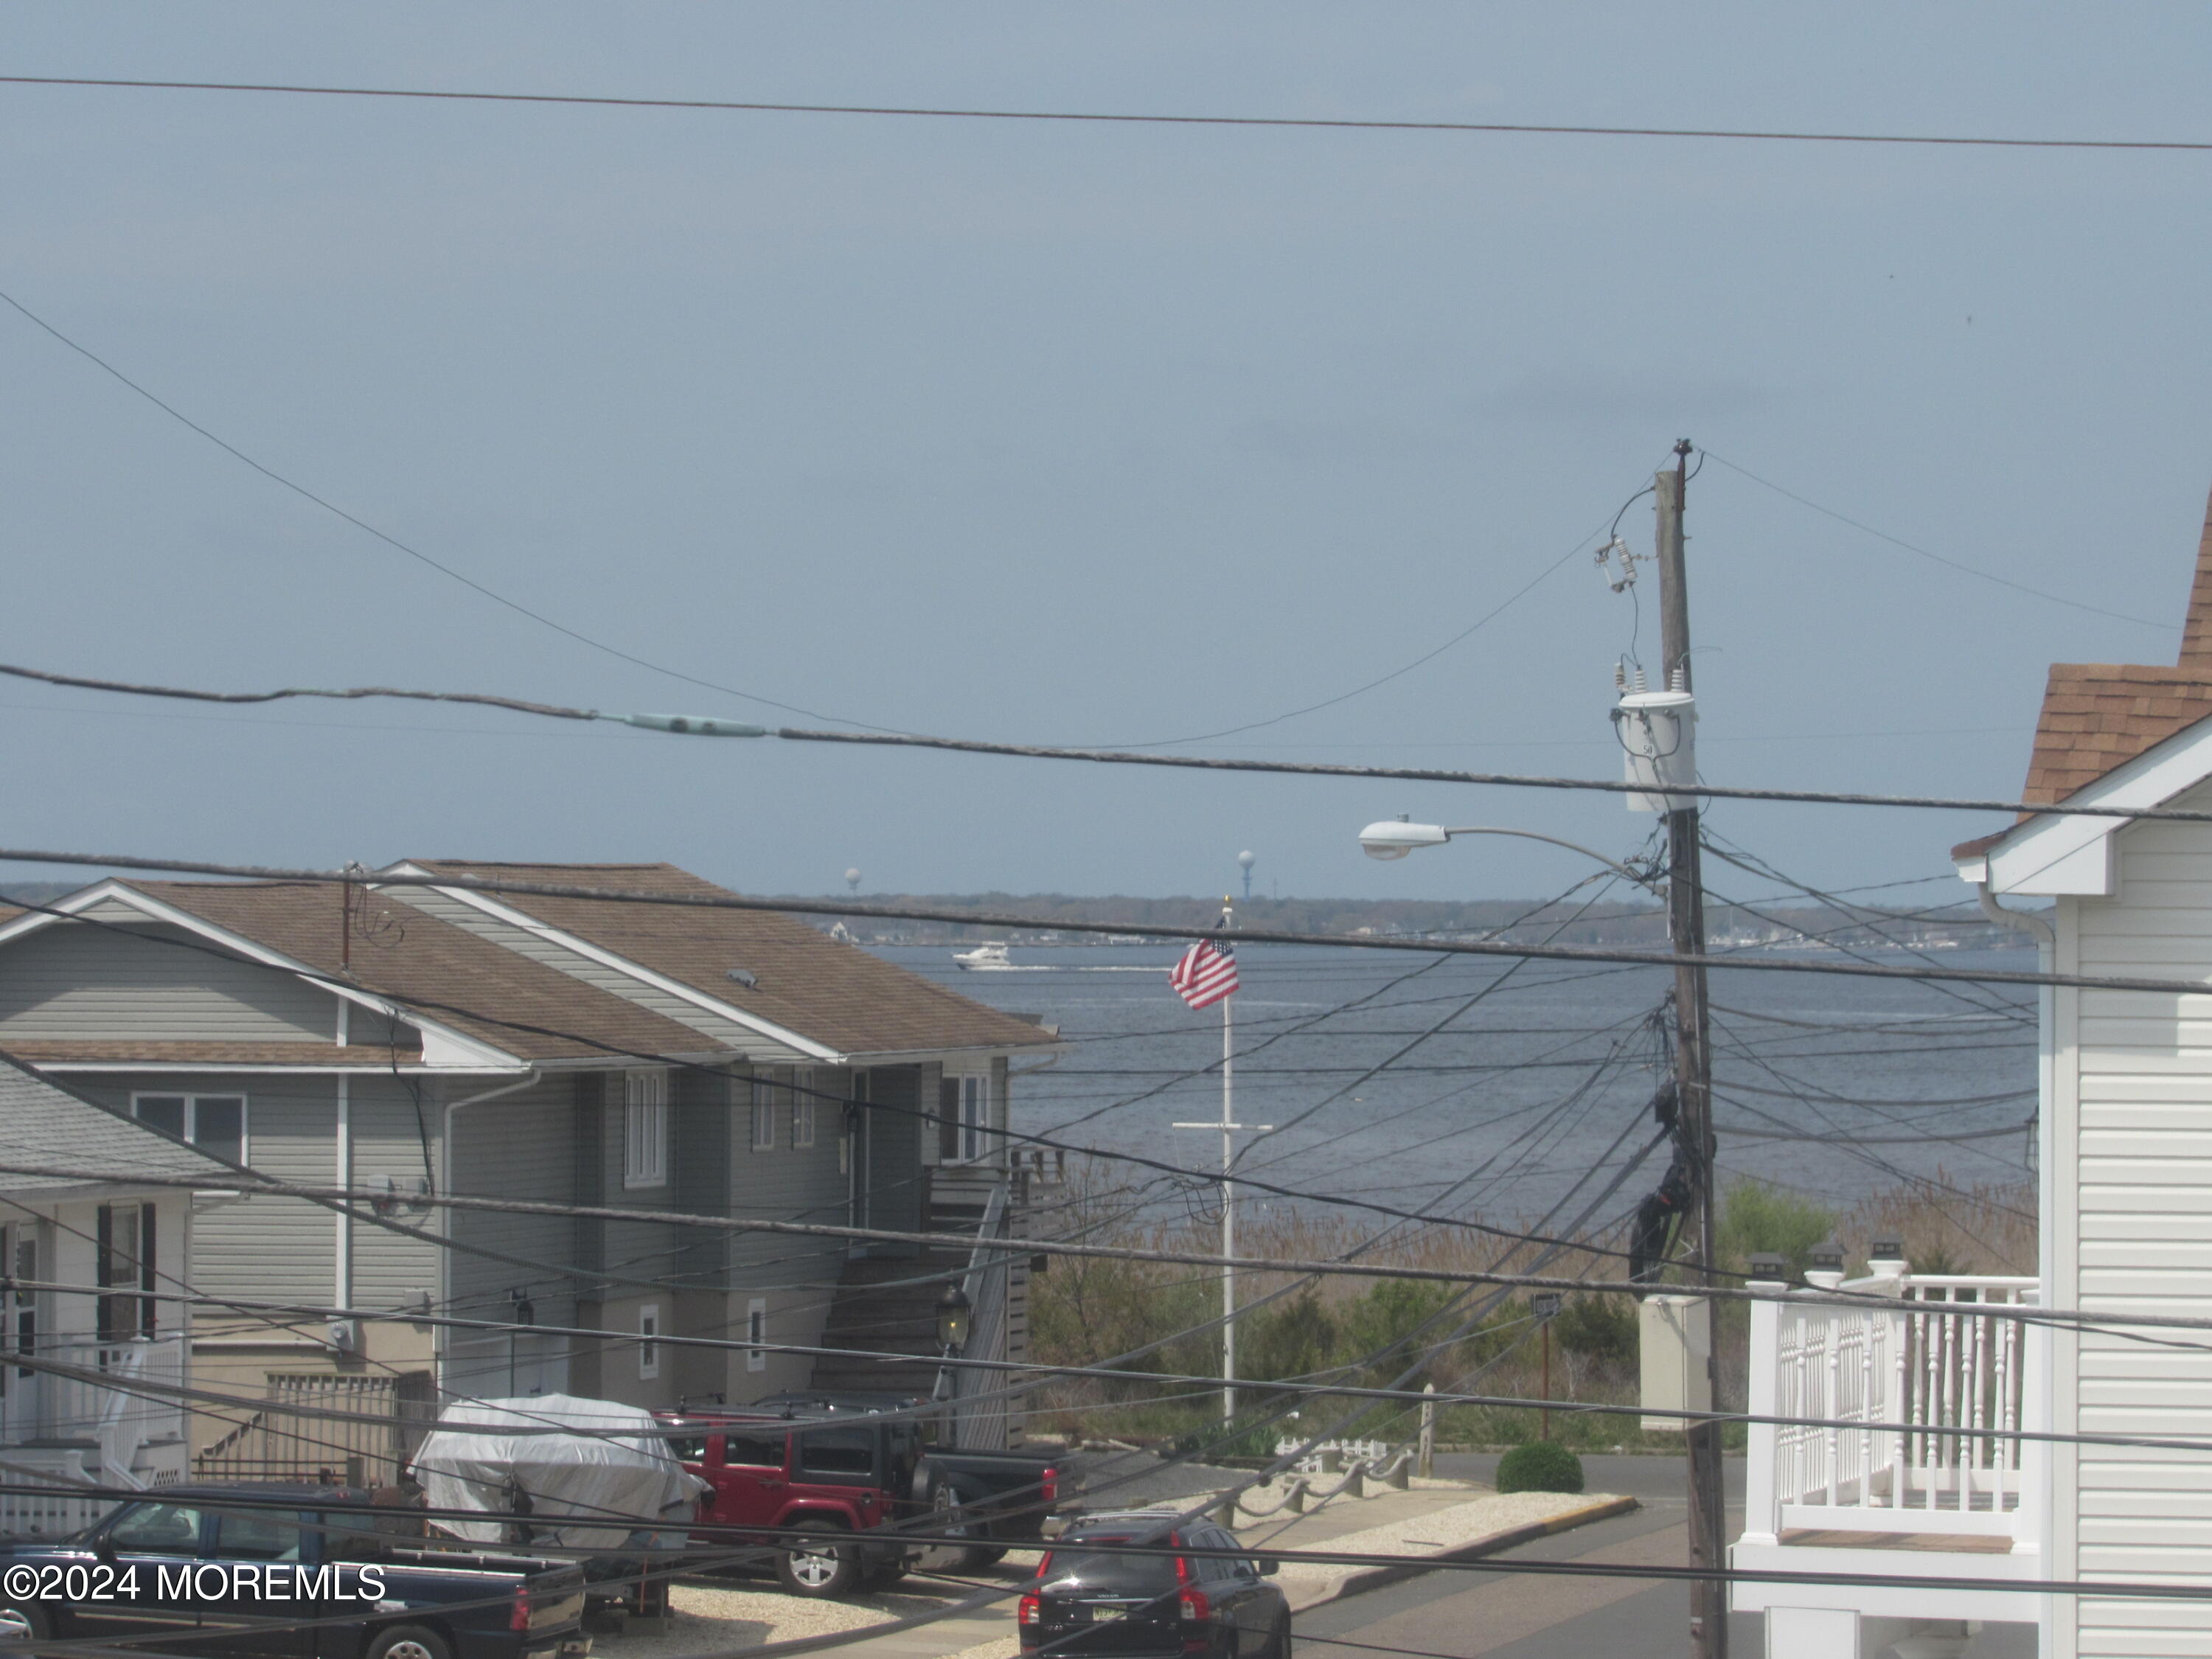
<point x="1092" y="1598"/>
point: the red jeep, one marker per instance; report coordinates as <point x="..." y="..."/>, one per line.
<point x="773" y="1476"/>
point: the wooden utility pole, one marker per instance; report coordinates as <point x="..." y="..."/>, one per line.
<point x="1686" y="933"/>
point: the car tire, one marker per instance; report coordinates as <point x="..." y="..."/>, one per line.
<point x="409" y="1642"/>
<point x="24" y="1621"/>
<point x="947" y="1521"/>
<point x="820" y="1570"/>
<point x="1279" y="1648"/>
<point x="885" y="1574"/>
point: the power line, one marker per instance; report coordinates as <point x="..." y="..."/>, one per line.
<point x="415" y="553"/>
<point x="1133" y="118"/>
<point x="1948" y="563"/>
<point x="883" y="738"/>
<point x="1463" y="1276"/>
<point x="1745" y="962"/>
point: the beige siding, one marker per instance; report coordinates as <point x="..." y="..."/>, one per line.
<point x="80" y="982"/>
<point x="2140" y="1148"/>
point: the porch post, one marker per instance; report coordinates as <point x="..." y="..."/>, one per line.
<point x="1763" y="1396"/>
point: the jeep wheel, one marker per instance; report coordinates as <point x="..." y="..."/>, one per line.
<point x="820" y="1566"/>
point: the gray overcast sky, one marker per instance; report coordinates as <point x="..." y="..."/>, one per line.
<point x="1067" y="434"/>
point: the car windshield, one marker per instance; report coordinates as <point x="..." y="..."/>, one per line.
<point x="1103" y="1572"/>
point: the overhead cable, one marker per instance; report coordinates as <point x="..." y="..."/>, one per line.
<point x="1745" y="963"/>
<point x="2182" y="146"/>
<point x="709" y="726"/>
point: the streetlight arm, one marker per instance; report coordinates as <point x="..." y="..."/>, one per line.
<point x="1644" y="881"/>
<point x="1393" y="838"/>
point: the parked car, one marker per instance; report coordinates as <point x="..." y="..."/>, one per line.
<point x="837" y="1466"/>
<point x="432" y="1603"/>
<point x="999" y="1499"/>
<point x="1092" y="1599"/>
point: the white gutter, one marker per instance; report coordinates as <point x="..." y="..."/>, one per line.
<point x="2035" y="927"/>
<point x="444" y="1214"/>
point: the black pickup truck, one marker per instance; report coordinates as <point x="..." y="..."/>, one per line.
<point x="286" y="1573"/>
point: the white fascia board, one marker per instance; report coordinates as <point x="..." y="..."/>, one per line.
<point x="807" y="1047"/>
<point x="443" y="1048"/>
<point x="923" y="1056"/>
<point x="1974" y="870"/>
<point x="2050" y="857"/>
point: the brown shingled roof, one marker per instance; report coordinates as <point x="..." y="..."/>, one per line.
<point x="2097" y="717"/>
<point x="414" y="957"/>
<point x="837" y="994"/>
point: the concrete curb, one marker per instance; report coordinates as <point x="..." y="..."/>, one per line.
<point x="1374" y="1577"/>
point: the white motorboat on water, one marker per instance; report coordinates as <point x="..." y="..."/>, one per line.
<point x="989" y="955"/>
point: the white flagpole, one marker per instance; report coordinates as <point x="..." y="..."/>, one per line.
<point x="1228" y="1217"/>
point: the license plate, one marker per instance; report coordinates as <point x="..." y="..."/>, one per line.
<point x="1106" y="1615"/>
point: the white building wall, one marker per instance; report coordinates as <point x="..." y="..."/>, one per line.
<point x="2129" y="1231"/>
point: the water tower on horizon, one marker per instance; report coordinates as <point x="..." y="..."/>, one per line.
<point x="1247" y="861"/>
<point x="853" y="881"/>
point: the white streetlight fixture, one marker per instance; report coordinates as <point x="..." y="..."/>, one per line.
<point x="1393" y="838"/>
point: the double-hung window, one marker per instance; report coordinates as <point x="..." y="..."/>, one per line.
<point x="214" y="1123"/>
<point x="966" y="1115"/>
<point x="802" y="1110"/>
<point x="763" y="1092"/>
<point x="645" y="1128"/>
<point x="648" y="1345"/>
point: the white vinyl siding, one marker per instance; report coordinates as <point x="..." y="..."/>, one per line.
<point x="645" y="1128"/>
<point x="2132" y="1159"/>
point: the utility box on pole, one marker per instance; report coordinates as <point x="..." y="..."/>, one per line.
<point x="1674" y="1341"/>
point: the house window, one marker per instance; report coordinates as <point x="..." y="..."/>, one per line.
<point x="974" y="1114"/>
<point x="648" y="1351"/>
<point x="756" y="1331"/>
<point x="645" y="1128"/>
<point x="214" y="1123"/>
<point x="125" y="1265"/>
<point x="763" y="1094"/>
<point x="802" y="1110"/>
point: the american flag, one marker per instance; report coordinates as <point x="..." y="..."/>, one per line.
<point x="1205" y="973"/>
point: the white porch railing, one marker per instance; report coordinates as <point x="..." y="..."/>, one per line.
<point x="91" y="1427"/>
<point x="1915" y="1404"/>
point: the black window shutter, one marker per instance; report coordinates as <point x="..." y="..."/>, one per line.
<point x="148" y="1304"/>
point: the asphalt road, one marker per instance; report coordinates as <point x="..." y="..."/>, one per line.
<point x="1465" y="1613"/>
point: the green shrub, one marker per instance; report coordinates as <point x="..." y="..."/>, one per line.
<point x="1755" y="1218"/>
<point x="1599" y="1327"/>
<point x="1540" y="1465"/>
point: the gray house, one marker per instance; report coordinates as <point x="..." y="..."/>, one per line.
<point x="420" y="1040"/>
